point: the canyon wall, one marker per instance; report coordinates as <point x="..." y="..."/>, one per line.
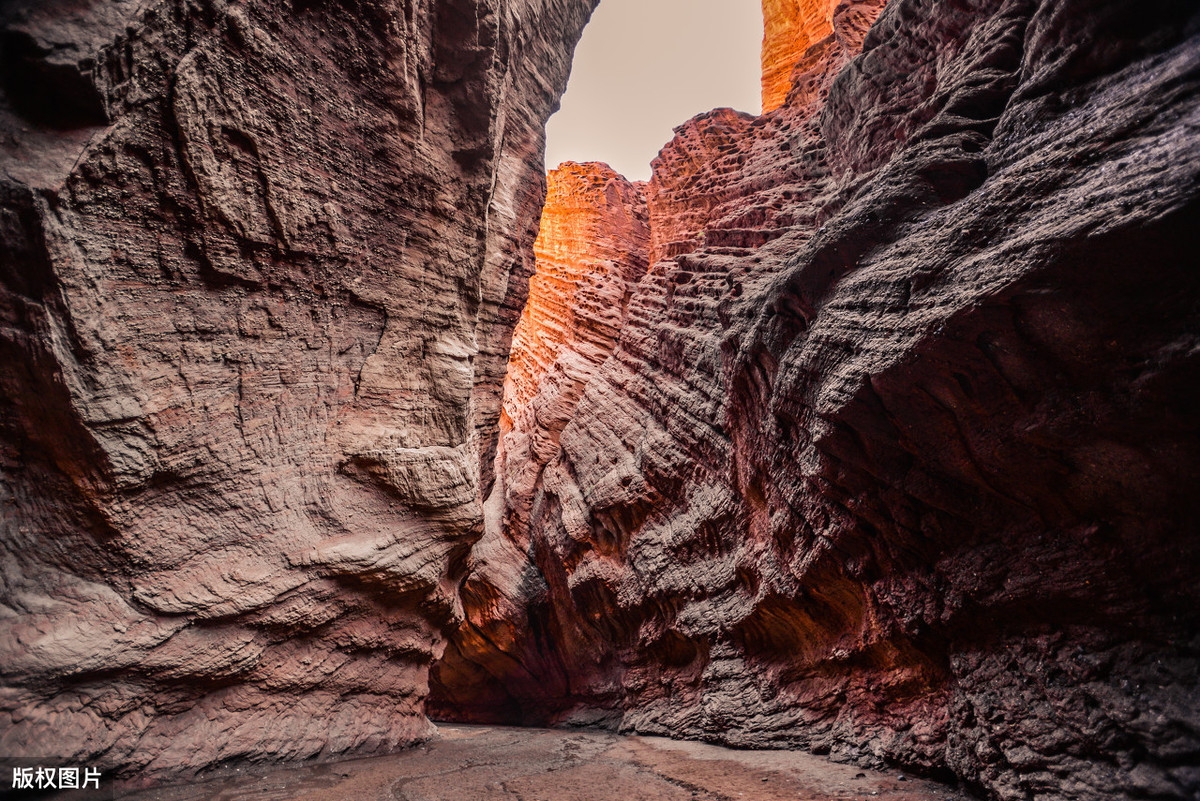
<point x="590" y="251"/>
<point x="260" y="265"/>
<point x="800" y="33"/>
<point x="895" y="456"/>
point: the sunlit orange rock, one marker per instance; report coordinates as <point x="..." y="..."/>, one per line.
<point x="790" y="27"/>
<point x="590" y="251"/>
<point x="793" y="28"/>
<point x="592" y="241"/>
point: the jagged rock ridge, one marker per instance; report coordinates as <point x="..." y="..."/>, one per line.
<point x="261" y="262"/>
<point x="895" y="456"/>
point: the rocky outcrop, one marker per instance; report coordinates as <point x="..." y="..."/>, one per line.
<point x="895" y="457"/>
<point x="801" y="34"/>
<point x="590" y="251"/>
<point x="260" y="265"/>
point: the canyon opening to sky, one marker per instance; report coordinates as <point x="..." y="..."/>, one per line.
<point x="642" y="68"/>
<point x="863" y="426"/>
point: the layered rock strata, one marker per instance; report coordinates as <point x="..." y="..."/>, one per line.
<point x="261" y="261"/>
<point x="590" y="251"/>
<point x="798" y="34"/>
<point x="895" y="457"/>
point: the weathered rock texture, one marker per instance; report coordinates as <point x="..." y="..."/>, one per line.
<point x="800" y="34"/>
<point x="896" y="455"/>
<point x="590" y="251"/>
<point x="260" y="264"/>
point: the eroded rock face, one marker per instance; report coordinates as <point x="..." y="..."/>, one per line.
<point x="590" y="251"/>
<point x="895" y="457"/>
<point x="260" y="260"/>
<point x="800" y="33"/>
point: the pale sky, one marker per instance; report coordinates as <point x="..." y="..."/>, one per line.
<point x="645" y="66"/>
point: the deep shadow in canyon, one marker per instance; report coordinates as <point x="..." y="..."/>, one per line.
<point x="866" y="427"/>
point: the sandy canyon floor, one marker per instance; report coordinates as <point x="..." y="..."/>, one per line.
<point x="491" y="763"/>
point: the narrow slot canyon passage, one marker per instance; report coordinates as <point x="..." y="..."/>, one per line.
<point x="599" y="234"/>
<point x="592" y="248"/>
<point x="548" y="635"/>
<point x="850" y="452"/>
<point x="740" y="439"/>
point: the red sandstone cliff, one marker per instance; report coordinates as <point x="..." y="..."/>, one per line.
<point x="895" y="457"/>
<point x="798" y="34"/>
<point x="868" y="426"/>
<point x="590" y="251"/>
<point x="260" y="265"/>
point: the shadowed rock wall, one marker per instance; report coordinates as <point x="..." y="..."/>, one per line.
<point x="896" y="455"/>
<point x="260" y="264"/>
